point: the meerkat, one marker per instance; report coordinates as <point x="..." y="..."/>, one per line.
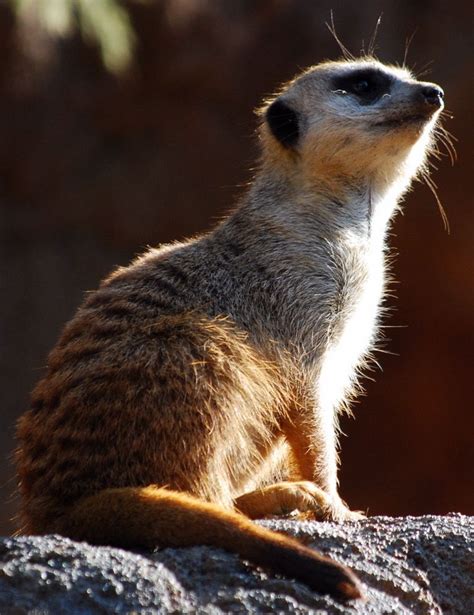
<point x="200" y="387"/>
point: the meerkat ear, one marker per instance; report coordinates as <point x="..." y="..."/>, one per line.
<point x="283" y="122"/>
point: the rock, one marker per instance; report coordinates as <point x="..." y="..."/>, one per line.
<point x="408" y="565"/>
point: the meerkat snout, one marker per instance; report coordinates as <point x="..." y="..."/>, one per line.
<point x="432" y="94"/>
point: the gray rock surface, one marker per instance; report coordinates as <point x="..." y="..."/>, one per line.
<point x="408" y="565"/>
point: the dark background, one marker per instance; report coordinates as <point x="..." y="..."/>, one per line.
<point x="96" y="165"/>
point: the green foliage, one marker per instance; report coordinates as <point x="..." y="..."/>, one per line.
<point x="103" y="22"/>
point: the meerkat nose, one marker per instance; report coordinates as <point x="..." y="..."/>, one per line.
<point x="433" y="95"/>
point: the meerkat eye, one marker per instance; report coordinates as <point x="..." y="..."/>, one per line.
<point x="361" y="86"/>
<point x="367" y="84"/>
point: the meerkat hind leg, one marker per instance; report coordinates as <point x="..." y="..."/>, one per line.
<point x="312" y="502"/>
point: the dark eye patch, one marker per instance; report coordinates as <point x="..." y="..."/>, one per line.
<point x="368" y="84"/>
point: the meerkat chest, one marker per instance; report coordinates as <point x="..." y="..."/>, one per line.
<point x="353" y="326"/>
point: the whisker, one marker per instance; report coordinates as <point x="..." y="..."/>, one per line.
<point x="408" y="42"/>
<point x="451" y="152"/>
<point x="446" y="138"/>
<point x="432" y="186"/>
<point x="389" y="352"/>
<point x="371" y="48"/>
<point x="332" y="29"/>
<point x="448" y="134"/>
<point x="447" y="113"/>
<point x="436" y="153"/>
<point x="425" y="69"/>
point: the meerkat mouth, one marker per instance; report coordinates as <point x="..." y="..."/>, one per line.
<point x="417" y="118"/>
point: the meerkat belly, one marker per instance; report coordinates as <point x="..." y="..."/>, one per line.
<point x="353" y="335"/>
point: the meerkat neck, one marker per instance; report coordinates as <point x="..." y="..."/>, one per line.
<point x="345" y="208"/>
<point x="302" y="259"/>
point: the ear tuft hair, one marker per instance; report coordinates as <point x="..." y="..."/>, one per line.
<point x="283" y="123"/>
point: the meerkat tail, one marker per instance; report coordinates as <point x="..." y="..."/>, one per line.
<point x="151" y="516"/>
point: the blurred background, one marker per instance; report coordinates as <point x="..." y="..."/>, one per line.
<point x="127" y="124"/>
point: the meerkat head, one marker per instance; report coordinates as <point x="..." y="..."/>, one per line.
<point x="352" y="118"/>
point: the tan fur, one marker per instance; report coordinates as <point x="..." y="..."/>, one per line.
<point x="200" y="385"/>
